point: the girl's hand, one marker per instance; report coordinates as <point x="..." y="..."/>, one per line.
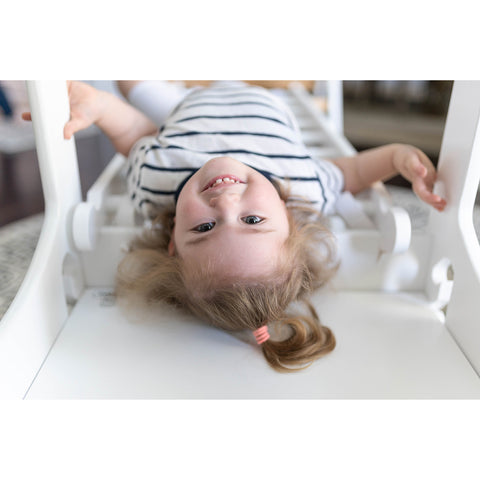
<point x="416" y="167"/>
<point x="119" y="121"/>
<point x="85" y="108"/>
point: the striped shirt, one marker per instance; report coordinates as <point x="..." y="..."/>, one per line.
<point x="249" y="124"/>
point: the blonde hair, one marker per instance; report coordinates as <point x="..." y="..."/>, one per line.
<point x="149" y="272"/>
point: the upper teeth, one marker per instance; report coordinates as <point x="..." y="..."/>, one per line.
<point x="224" y="180"/>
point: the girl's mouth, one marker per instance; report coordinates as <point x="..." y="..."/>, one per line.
<point x="222" y="180"/>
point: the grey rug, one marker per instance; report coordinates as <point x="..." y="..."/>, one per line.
<point x="17" y="244"/>
<point x="19" y="239"/>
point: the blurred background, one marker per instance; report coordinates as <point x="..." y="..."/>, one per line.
<point x="375" y="113"/>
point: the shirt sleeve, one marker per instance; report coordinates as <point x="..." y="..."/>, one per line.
<point x="154" y="175"/>
<point x="333" y="182"/>
<point x="148" y="189"/>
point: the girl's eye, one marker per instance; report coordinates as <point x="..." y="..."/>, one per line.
<point x="252" y="219"/>
<point x="204" y="227"/>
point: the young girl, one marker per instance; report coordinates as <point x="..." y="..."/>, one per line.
<point x="237" y="205"/>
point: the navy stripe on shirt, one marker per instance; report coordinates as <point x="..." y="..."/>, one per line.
<point x="230" y="117"/>
<point x="167" y="169"/>
<point x="187" y="134"/>
<point x="227" y="152"/>
<point x="158" y="192"/>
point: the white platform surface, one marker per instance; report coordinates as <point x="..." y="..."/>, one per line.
<point x="388" y="346"/>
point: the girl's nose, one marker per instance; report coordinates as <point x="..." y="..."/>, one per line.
<point x="225" y="200"/>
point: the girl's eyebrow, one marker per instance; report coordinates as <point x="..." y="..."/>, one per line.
<point x="248" y="231"/>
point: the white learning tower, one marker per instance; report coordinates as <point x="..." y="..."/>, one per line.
<point x="405" y="326"/>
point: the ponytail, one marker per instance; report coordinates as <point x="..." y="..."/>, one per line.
<point x="308" y="341"/>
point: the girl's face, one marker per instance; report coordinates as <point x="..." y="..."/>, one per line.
<point x="231" y="217"/>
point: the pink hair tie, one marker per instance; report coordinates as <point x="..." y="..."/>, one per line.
<point x="261" y="334"/>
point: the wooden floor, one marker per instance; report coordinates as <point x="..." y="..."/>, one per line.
<point x="20" y="185"/>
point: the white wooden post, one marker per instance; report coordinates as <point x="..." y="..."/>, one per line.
<point x="454" y="240"/>
<point x="335" y="103"/>
<point x="332" y="90"/>
<point x="35" y="317"/>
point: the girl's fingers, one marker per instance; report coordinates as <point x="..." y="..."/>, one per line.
<point x="69" y="130"/>
<point x="27" y="116"/>
<point x="428" y="196"/>
<point x="72" y="126"/>
<point x="416" y="167"/>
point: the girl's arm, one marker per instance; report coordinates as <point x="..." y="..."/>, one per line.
<point x="383" y="163"/>
<point x="122" y="123"/>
